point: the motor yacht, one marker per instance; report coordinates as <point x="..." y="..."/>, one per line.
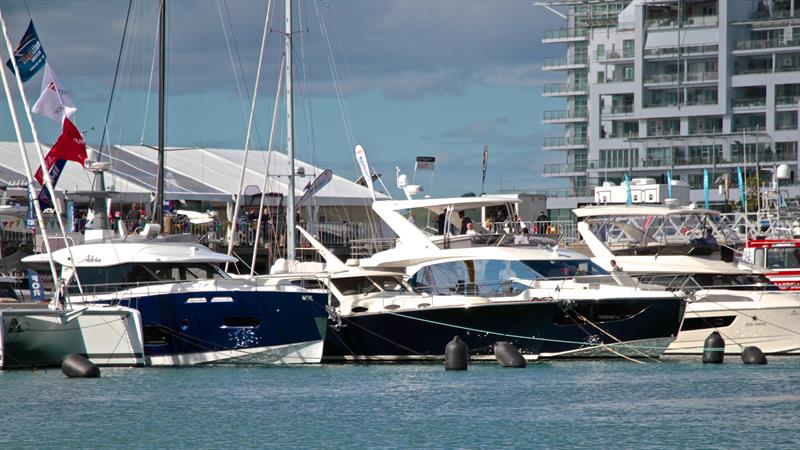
<point x="743" y="305"/>
<point x="408" y="302"/>
<point x="192" y="312"/>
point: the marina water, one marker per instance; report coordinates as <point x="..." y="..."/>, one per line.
<point x="677" y="402"/>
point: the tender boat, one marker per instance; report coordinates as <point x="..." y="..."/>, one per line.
<point x="779" y="257"/>
<point x="742" y="305"/>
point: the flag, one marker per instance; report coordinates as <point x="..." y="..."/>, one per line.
<point x="313" y="186"/>
<point x="35" y="285"/>
<point x="629" y="200"/>
<point x="705" y="186"/>
<point x="69" y="147"/>
<point x="54" y="101"/>
<point x="741" y="186"/>
<point x="55" y="173"/>
<point x="485" y="164"/>
<point x="30" y="218"/>
<point x="361" y="159"/>
<point x="669" y="183"/>
<point x="29" y="55"/>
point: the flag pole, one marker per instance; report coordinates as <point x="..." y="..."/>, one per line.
<point x="158" y="208"/>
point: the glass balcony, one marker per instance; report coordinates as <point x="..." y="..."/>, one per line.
<point x="775" y="14"/>
<point x="792" y="100"/>
<point x="691" y="21"/>
<point x="618" y="110"/>
<point x="572" y="141"/>
<point x="565" y="34"/>
<point x="689" y="50"/>
<point x="741" y="103"/>
<point x="565" y="63"/>
<point x="615" y="55"/>
<point x="554" y="89"/>
<point x="764" y="44"/>
<point x="567" y="115"/>
<point x="568" y="168"/>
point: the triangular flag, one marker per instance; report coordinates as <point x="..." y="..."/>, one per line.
<point x="54" y="101"/>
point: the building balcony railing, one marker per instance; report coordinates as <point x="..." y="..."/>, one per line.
<point x="617" y="110"/>
<point x="564" y="63"/>
<point x="789" y="67"/>
<point x="741" y="103"/>
<point x="556" y="89"/>
<point x="568" y="115"/>
<point x="565" y="142"/>
<point x="671" y="51"/>
<point x="690" y="77"/>
<point x="751" y="70"/>
<point x="786" y="126"/>
<point x="691" y="21"/>
<point x="775" y="14"/>
<point x="790" y="100"/>
<point x="766" y="44"/>
<point x="565" y="35"/>
<point x="763" y="157"/>
<point x="614" y="55"/>
<point x="747" y="128"/>
<point x="577" y="167"/>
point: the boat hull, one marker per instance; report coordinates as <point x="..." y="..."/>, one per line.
<point x="251" y="327"/>
<point x="771" y="324"/>
<point x="539" y="329"/>
<point x="107" y="336"/>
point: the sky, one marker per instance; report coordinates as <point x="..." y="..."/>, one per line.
<point x="402" y="78"/>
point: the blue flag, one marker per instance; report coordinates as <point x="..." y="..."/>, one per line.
<point x="705" y="186"/>
<point x="35" y="284"/>
<point x="29" y="54"/>
<point x="55" y="172"/>
<point x="669" y="183"/>
<point x="629" y="200"/>
<point x="30" y="219"/>
<point x="741" y="186"/>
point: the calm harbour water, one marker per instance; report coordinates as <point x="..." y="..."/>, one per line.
<point x="676" y="403"/>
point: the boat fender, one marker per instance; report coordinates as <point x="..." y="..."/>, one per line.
<point x="508" y="355"/>
<point x="456" y="355"/>
<point x="77" y="366"/>
<point x="713" y="349"/>
<point x="753" y="355"/>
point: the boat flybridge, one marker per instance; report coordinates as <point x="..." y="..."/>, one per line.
<point x="193" y="312"/>
<point x="407" y="302"/>
<point x="741" y="304"/>
<point x="658" y="229"/>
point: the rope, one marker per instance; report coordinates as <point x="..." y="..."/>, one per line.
<point x="533" y="338"/>
<point x="582" y="317"/>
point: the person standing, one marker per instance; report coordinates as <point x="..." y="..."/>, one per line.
<point x="542" y="222"/>
<point x="464" y="221"/>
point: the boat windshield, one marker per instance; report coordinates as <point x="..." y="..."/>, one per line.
<point x="780" y="257"/>
<point x="483" y="277"/>
<point x="126" y="276"/>
<point x="369" y="285"/>
<point x="642" y="231"/>
<point x="565" y="268"/>
<point x="8" y="293"/>
<point x="743" y="282"/>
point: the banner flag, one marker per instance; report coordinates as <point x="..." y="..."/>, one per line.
<point x="35" y="284"/>
<point x="485" y="165"/>
<point x="314" y="186"/>
<point x="69" y="147"/>
<point x="629" y="200"/>
<point x="669" y="183"/>
<point x="741" y="186"/>
<point x="705" y="186"/>
<point x="30" y="219"/>
<point x="361" y="159"/>
<point x="29" y="55"/>
<point x="54" y="101"/>
<point x="55" y="173"/>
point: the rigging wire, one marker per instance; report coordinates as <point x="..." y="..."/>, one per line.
<point x="150" y="82"/>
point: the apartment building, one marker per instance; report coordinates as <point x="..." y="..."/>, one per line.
<point x="658" y="86"/>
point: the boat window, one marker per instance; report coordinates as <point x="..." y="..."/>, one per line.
<point x="355" y="286"/>
<point x="699" y="323"/>
<point x="240" y="322"/>
<point x="734" y="281"/>
<point x="308" y="283"/>
<point x="390" y="284"/>
<point x="484" y="277"/>
<point x="155" y="335"/>
<point x="7" y="292"/>
<point x="125" y="276"/>
<point x="600" y="312"/>
<point x="783" y="258"/>
<point x="561" y="268"/>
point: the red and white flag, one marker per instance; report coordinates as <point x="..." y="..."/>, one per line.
<point x="69" y="147"/>
<point x="54" y="101"/>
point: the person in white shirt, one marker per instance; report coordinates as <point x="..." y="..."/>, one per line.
<point x="522" y="239"/>
<point x="470" y="230"/>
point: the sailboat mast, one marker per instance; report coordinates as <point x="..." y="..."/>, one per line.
<point x="158" y="209"/>
<point x="290" y="209"/>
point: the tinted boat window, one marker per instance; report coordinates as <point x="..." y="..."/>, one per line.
<point x="560" y="268"/>
<point x="783" y="258"/>
<point x="355" y="286"/>
<point x="126" y="276"/>
<point x="388" y="283"/>
<point x="483" y="277"/>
